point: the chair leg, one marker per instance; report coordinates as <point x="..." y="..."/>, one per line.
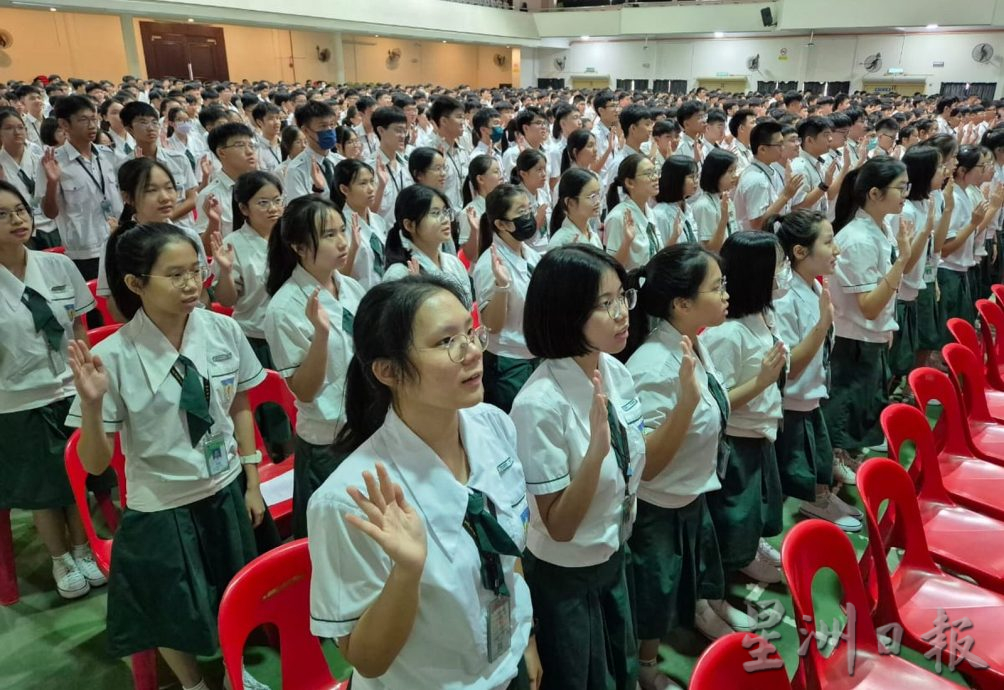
<point x="144" y="670"/>
<point x="8" y="572"/>
<point x="108" y="510"/>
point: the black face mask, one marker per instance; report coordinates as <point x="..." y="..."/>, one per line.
<point x="525" y="228"/>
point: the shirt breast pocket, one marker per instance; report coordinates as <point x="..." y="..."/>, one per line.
<point x="223" y="380"/>
<point x="77" y="196"/>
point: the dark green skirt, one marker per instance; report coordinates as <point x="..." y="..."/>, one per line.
<point x="997" y="267"/>
<point x="41" y="241"/>
<point x="585" y="624"/>
<point x="169" y="571"/>
<point x="956" y="301"/>
<point x="804" y="454"/>
<point x="974" y="277"/>
<point x="749" y="504"/>
<point x="32" y="469"/>
<point x="313" y="464"/>
<point x="271" y="420"/>
<point x="676" y="561"/>
<point x="986" y="271"/>
<point x="859" y="384"/>
<point x="504" y="377"/>
<point x="905" y="341"/>
<point x="928" y="319"/>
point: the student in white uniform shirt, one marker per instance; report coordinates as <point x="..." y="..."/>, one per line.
<point x="674" y="217"/>
<point x="415" y="242"/>
<point x="632" y="236"/>
<point x="43" y="299"/>
<point x="530" y="173"/>
<point x="636" y="122"/>
<point x="33" y="102"/>
<point x="391" y="127"/>
<point x="487" y="124"/>
<point x="416" y="537"/>
<point x="804" y="318"/>
<point x="178" y="130"/>
<point x="679" y="578"/>
<point x="531" y="133"/>
<point x="292" y="143"/>
<point x="501" y="277"/>
<point x="233" y="145"/>
<point x="580" y="152"/>
<point x="308" y="327"/>
<point x="311" y="172"/>
<point x="817" y="174"/>
<point x="447" y="114"/>
<point x="123" y="143"/>
<point x="566" y="121"/>
<point x="752" y="362"/>
<point x="483" y="175"/>
<point x="576" y="209"/>
<point x="868" y="275"/>
<point x="982" y="247"/>
<point x="741" y="127"/>
<point x="713" y="210"/>
<point x="172" y="382"/>
<point x="579" y="433"/>
<point x="19" y="162"/>
<point x="267" y="119"/>
<point x="353" y="194"/>
<point x="607" y="133"/>
<point x="693" y="119"/>
<point x="757" y="195"/>
<point x="76" y="185"/>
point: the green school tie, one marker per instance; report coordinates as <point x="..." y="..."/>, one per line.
<point x="29" y="183"/>
<point x="689" y="231"/>
<point x="328" y="170"/>
<point x="43" y="318"/>
<point x="724" y="448"/>
<point x="653" y="240"/>
<point x="619" y="442"/>
<point x="378" y="256"/>
<point x="191" y="159"/>
<point x="347" y="320"/>
<point x="128" y="148"/>
<point x="194" y="399"/>
<point x="492" y="541"/>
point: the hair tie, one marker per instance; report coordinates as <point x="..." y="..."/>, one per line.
<point x="777" y="226"/>
<point x="641" y="280"/>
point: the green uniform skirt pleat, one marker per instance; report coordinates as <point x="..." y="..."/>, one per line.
<point x="804" y="454"/>
<point x="859" y="382"/>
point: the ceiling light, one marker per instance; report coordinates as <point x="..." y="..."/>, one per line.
<point x="719" y="34"/>
<point x="52" y="9"/>
<point x="190" y="19"/>
<point x="584" y="38"/>
<point x="932" y="26"/>
<point x="444" y="41"/>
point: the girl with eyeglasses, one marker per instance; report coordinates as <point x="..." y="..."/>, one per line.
<point x="632" y="235"/>
<point x="501" y="277"/>
<point x="172" y="382"/>
<point x="308" y="326"/>
<point x="424" y="223"/>
<point x="579" y="437"/>
<point x="19" y="163"/>
<point x="866" y="279"/>
<point x="416" y="538"/>
<point x="577" y="210"/>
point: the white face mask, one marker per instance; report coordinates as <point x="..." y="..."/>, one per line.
<point x="782" y="281"/>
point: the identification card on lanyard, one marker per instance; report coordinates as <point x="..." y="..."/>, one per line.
<point x="215" y="450"/>
<point x="106" y="205"/>
<point x="499" y="627"/>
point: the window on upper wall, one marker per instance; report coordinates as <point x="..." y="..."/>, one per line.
<point x="985" y="89"/>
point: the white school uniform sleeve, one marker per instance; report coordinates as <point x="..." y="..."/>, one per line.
<point x="484" y="280"/>
<point x="113" y="409"/>
<point x="395" y="272"/>
<point x="858" y="267"/>
<point x="656" y="392"/>
<point x="614" y="229"/>
<point x="83" y="300"/>
<point x="725" y="347"/>
<point x="786" y="321"/>
<point x="250" y="372"/>
<point x="286" y="341"/>
<point x="800" y="167"/>
<point x="541" y="447"/>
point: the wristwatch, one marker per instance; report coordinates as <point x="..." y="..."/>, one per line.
<point x="253" y="459"/>
<point x="823" y="187"/>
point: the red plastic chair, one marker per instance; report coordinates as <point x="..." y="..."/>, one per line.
<point x="991" y="323"/>
<point x="144" y="664"/>
<point x="56" y="250"/>
<point x="476" y="315"/>
<point x="811" y="546"/>
<point x="220" y="309"/>
<point x="965" y="335"/>
<point x="967" y="477"/>
<point x="917" y="591"/>
<point x="96" y="335"/>
<point x="274" y="589"/>
<point x="274" y="390"/>
<point x="983" y="406"/>
<point x="998" y="292"/>
<point x="9" y="593"/>
<point x="101" y="304"/>
<point x="721" y="666"/>
<point x="463" y="259"/>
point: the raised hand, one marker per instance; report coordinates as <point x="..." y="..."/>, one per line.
<point x="206" y="167"/>
<point x="541" y="216"/>
<point x="211" y="207"/>
<point x="845" y="158"/>
<point x="357" y="233"/>
<point x="473" y="219"/>
<point x="223" y="254"/>
<point x="316" y="176"/>
<point x="698" y="151"/>
<point x="904" y="239"/>
<point x="949" y="195"/>
<point x="599" y="425"/>
<point x="690" y="389"/>
<point x="826" y="312"/>
<point x="980" y="212"/>
<point x="723" y="204"/>
<point x="390" y="520"/>
<point x="316" y="314"/>
<point x="499" y="270"/>
<point x="831" y="172"/>
<point x="89" y="373"/>
<point x="413" y="267"/>
<point x="674" y="236"/>
<point x="770" y="367"/>
<point x="382" y="174"/>
<point x="630" y="231"/>
<point x="51" y="166"/>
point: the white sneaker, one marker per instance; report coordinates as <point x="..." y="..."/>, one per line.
<point x="845" y="507"/>
<point x="709" y="623"/>
<point x="842" y="473"/>
<point x="250" y="682"/>
<point x="826" y="510"/>
<point x="880" y="448"/>
<point x="730" y="615"/>
<point x="772" y="555"/>
<point x="70" y="583"/>
<point x="762" y="570"/>
<point x="88" y="567"/>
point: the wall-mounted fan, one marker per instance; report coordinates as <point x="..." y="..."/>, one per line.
<point x="983" y="52"/>
<point x="500" y="59"/>
<point x="559" y="63"/>
<point x="753" y="63"/>
<point x="323" y="54"/>
<point x="6" y="39"/>
<point x="873" y="63"/>
<point x="393" y="55"/>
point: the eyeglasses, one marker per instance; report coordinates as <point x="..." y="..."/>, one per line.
<point x="267" y="204"/>
<point x="436" y="169"/>
<point x="592" y="198"/>
<point x="7" y="214"/>
<point x="145" y="124"/>
<point x="721" y="289"/>
<point x="904" y="190"/>
<point x="18" y="129"/>
<point x="88" y="121"/>
<point x="777" y="145"/>
<point x="180" y="279"/>
<point x="245" y="145"/>
<point x="441" y="214"/>
<point x="456" y="347"/>
<point x="654" y="174"/>
<point x="616" y="307"/>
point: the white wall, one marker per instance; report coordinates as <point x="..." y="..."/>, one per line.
<point x="831" y="58"/>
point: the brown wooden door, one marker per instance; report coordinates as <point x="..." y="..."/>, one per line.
<point x="184" y="51"/>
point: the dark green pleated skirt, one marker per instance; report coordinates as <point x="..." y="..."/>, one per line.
<point x="32" y="469"/>
<point x="804" y="454"/>
<point x="928" y="319"/>
<point x="169" y="571"/>
<point x="676" y="562"/>
<point x="271" y="420"/>
<point x="986" y="271"/>
<point x="905" y="341"/>
<point x="585" y="624"/>
<point x="997" y="267"/>
<point x="41" y="241"/>
<point x="504" y="377"/>
<point x="956" y="301"/>
<point x="312" y="465"/>
<point x="974" y="278"/>
<point x="749" y="504"/>
<point x="859" y="384"/>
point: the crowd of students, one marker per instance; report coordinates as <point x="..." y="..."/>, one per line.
<point x="558" y="357"/>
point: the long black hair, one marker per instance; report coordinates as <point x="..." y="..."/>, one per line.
<point x="750" y="263"/>
<point x="134" y="251"/>
<point x="627" y="170"/>
<point x="922" y="163"/>
<point x="525" y="162"/>
<point x="246" y="187"/>
<point x="570" y="186"/>
<point x="413" y="203"/>
<point x="497" y="205"/>
<point x="798" y="228"/>
<point x="346" y="173"/>
<point x="300" y="226"/>
<point x="479" y="166"/>
<point x="878" y="172"/>
<point x="133" y="177"/>
<point x="577" y="140"/>
<point x="673" y="180"/>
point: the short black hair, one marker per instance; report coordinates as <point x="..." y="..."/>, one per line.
<point x="716" y="163"/>
<point x="631" y="115"/>
<point x="716" y="115"/>
<point x="130" y="111"/>
<point x="738" y="119"/>
<point x="441" y="107"/>
<point x="763" y="133"/>
<point x="387" y="116"/>
<point x="224" y="133"/>
<point x="750" y="262"/>
<point x="792" y="97"/>
<point x="813" y="127"/>
<point x="68" y="106"/>
<point x="312" y="110"/>
<point x="688" y="110"/>
<point x="561" y="298"/>
<point x="673" y="180"/>
<point x="210" y="114"/>
<point x="263" y="110"/>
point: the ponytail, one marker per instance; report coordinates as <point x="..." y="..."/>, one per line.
<point x="570" y="186"/>
<point x="479" y="166"/>
<point x="876" y="173"/>
<point x="847" y="206"/>
<point x="497" y="205"/>
<point x="300" y="226"/>
<point x="627" y="169"/>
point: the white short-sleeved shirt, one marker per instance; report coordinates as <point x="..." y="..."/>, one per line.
<point x="299" y="178"/>
<point x="923" y="271"/>
<point x="371" y="225"/>
<point x="640" y="251"/>
<point x="20" y="174"/>
<point x="569" y="233"/>
<point x="755" y="193"/>
<point x="31" y="374"/>
<point x="655" y="367"/>
<point x="289" y="334"/>
<point x="665" y="219"/>
<point x="509" y="342"/>
<point x="813" y="171"/>
<point x="447" y="647"/>
<point x="687" y="146"/>
<point x="163" y="469"/>
<point x="478" y="204"/>
<point x="450" y="267"/>
<point x="738" y="347"/>
<point x="269" y="156"/>
<point x="551" y="414"/>
<point x="554" y="153"/>
<point x="707" y="210"/>
<point x="542" y="197"/>
<point x="83" y="224"/>
<point x="964" y="257"/>
<point x="456" y="160"/>
<point x="865" y="258"/>
<point x="249" y="273"/>
<point x="979" y="238"/>
<point x="743" y="155"/>
<point x="602" y="135"/>
<point x="222" y="187"/>
<point x="397" y="180"/>
<point x="102" y="288"/>
<point x="796" y="314"/>
<point x="33" y="129"/>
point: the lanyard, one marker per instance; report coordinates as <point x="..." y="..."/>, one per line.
<point x="180" y="379"/>
<point x="101" y="173"/>
<point x="456" y="166"/>
<point x="398" y="180"/>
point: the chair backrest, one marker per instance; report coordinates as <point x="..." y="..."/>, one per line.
<point x="952" y="430"/>
<point x="56" y="250"/>
<point x="220" y="309"/>
<point x="721" y="666"/>
<point x="272" y="390"/>
<point x="274" y="589"/>
<point x="77" y="475"/>
<point x="811" y="546"/>
<point x="998" y="291"/>
<point x="96" y="335"/>
<point x="968" y="377"/>
<point x="902" y="424"/>
<point x="965" y="335"/>
<point x="100" y="303"/>
<point x="992" y="335"/>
